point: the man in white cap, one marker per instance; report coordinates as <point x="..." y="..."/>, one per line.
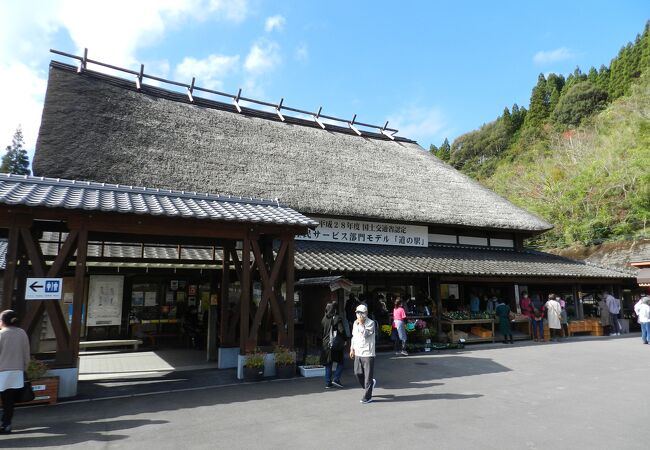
<point x="362" y="350"/>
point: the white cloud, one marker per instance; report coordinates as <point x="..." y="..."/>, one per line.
<point x="274" y="23"/>
<point x="424" y="125"/>
<point x="209" y="72"/>
<point x="21" y="96"/>
<point x="302" y="52"/>
<point x="112" y="31"/>
<point x="551" y="56"/>
<point x="262" y="58"/>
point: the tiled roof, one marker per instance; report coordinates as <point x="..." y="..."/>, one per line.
<point x="83" y="195"/>
<point x="312" y="256"/>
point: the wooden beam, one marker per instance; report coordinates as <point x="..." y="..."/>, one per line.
<point x="9" y="278"/>
<point x="268" y="291"/>
<point x="245" y="298"/>
<point x="289" y="280"/>
<point x="225" y="287"/>
<point x="33" y="252"/>
<point x="78" y="299"/>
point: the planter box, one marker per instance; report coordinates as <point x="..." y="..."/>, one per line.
<point x="312" y="371"/>
<point x="253" y="373"/>
<point x="285" y="371"/>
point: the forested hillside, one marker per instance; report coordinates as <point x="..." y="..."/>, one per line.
<point x="579" y="156"/>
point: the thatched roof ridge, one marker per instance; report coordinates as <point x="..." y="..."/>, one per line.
<point x="99" y="128"/>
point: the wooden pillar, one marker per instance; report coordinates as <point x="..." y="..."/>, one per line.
<point x="224" y="301"/>
<point x="289" y="291"/>
<point x="438" y="300"/>
<point x="245" y="298"/>
<point x="8" y="281"/>
<point x="78" y="299"/>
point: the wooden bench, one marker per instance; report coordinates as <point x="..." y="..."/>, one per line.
<point x="110" y="343"/>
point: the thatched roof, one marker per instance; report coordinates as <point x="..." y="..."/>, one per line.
<point x="100" y="128"/>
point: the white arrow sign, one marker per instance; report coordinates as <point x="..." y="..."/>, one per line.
<point x="43" y="288"/>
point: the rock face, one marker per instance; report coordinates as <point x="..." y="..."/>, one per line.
<point x="616" y="255"/>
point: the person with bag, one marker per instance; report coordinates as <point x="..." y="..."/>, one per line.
<point x="334" y="338"/>
<point x="399" y="323"/>
<point x="14" y="359"/>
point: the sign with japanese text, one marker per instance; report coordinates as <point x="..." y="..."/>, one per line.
<point x="362" y="232"/>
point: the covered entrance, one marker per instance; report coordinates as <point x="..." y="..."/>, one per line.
<point x="104" y="233"/>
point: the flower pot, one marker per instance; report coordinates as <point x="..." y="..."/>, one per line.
<point x="312" y="371"/>
<point x="46" y="390"/>
<point x="253" y="373"/>
<point x="285" y="371"/>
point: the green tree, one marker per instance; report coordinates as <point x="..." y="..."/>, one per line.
<point x="444" y="152"/>
<point x="16" y="160"/>
<point x="538" y="110"/>
<point x="580" y="101"/>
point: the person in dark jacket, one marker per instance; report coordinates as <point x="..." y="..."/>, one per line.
<point x="334" y="338"/>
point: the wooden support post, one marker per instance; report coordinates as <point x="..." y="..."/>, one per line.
<point x="289" y="305"/>
<point x="8" y="282"/>
<point x="438" y="300"/>
<point x="245" y="297"/>
<point x="78" y="299"/>
<point x="224" y="301"/>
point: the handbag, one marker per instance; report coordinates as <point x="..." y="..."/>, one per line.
<point x="26" y="394"/>
<point x="336" y="340"/>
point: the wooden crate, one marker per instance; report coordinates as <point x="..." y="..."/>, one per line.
<point x="481" y="332"/>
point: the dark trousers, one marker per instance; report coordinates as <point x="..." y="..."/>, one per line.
<point x="616" y="325"/>
<point x="364" y="369"/>
<point x="8" y="397"/>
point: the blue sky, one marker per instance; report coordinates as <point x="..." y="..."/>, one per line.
<point x="433" y="69"/>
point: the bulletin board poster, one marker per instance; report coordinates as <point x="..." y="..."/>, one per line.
<point x="105" y="300"/>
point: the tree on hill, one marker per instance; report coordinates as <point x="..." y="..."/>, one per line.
<point x="538" y="110"/>
<point x="580" y="101"/>
<point x="443" y="152"/>
<point x="16" y="160"/>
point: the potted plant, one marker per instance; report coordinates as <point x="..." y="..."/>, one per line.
<point x="46" y="388"/>
<point x="285" y="362"/>
<point x="312" y="367"/>
<point x="254" y="365"/>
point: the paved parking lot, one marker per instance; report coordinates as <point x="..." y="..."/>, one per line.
<point x="585" y="393"/>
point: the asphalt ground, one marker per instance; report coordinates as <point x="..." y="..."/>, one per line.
<point x="578" y="394"/>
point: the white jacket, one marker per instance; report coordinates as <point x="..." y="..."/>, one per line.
<point x="643" y="313"/>
<point x="363" y="338"/>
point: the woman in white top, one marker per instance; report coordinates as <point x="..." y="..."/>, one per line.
<point x="643" y="313"/>
<point x="553" y="314"/>
<point x="14" y="359"/>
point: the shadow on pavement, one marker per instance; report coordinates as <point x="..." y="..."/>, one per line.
<point x="61" y="433"/>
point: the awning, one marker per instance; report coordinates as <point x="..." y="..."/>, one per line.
<point x="643" y="277"/>
<point x="334" y="283"/>
<point x="346" y="258"/>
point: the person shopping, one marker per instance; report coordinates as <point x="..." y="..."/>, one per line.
<point x="14" y="359"/>
<point x="399" y="322"/>
<point x="333" y="343"/>
<point x="553" y="315"/>
<point x="503" y="313"/>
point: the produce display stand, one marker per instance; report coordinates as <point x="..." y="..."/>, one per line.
<point x="470" y="337"/>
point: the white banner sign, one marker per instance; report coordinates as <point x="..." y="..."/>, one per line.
<point x="105" y="300"/>
<point x="362" y="232"/>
